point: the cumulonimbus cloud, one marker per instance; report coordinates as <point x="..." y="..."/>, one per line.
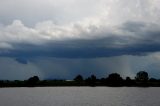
<point x="133" y="38"/>
<point x="114" y="29"/>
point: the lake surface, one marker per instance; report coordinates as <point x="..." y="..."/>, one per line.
<point x="80" y="96"/>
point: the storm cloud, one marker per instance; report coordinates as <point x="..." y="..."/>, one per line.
<point x="131" y="38"/>
<point x="79" y="31"/>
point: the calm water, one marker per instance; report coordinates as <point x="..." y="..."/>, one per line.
<point x="80" y="96"/>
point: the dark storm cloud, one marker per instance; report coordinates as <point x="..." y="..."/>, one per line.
<point x="107" y="28"/>
<point x="141" y="39"/>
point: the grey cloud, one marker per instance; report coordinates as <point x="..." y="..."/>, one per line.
<point x="133" y="26"/>
<point x="77" y="33"/>
<point x="13" y="70"/>
<point x="133" y="38"/>
<point x="22" y="60"/>
<point x="64" y="12"/>
<point x="35" y="11"/>
<point x="63" y="68"/>
<point x="104" y="28"/>
<point x="126" y="65"/>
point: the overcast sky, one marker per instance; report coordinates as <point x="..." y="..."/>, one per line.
<point x="63" y="38"/>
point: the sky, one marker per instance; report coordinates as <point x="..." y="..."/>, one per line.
<point x="58" y="39"/>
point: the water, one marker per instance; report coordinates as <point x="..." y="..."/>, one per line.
<point x="80" y="96"/>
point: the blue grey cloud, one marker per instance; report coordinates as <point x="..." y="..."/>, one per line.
<point x="139" y="39"/>
<point x="63" y="68"/>
<point x="21" y="60"/>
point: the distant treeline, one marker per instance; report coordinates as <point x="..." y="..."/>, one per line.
<point x="115" y="80"/>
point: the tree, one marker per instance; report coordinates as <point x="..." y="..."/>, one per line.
<point x="129" y="81"/>
<point x="142" y="76"/>
<point x="152" y="80"/>
<point x="115" y="77"/>
<point x="33" y="80"/>
<point x="78" y="78"/>
<point x="91" y="80"/>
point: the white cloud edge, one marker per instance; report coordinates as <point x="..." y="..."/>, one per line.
<point x="106" y="23"/>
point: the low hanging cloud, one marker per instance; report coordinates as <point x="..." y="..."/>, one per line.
<point x="130" y="38"/>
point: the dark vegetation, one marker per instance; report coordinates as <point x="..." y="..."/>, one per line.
<point x="115" y="80"/>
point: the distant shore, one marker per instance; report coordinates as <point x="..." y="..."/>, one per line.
<point x="84" y="83"/>
<point x="113" y="80"/>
